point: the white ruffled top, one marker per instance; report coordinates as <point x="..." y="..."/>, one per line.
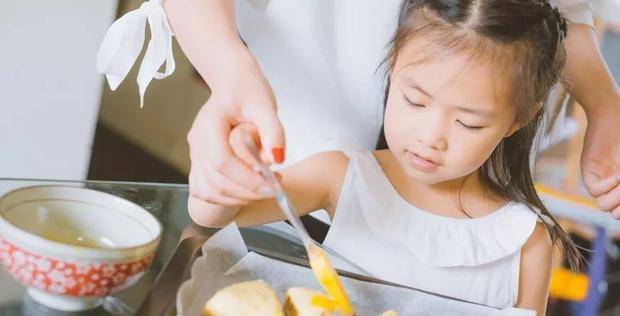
<point x="472" y="259"/>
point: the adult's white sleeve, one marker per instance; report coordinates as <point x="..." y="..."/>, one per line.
<point x="577" y="11"/>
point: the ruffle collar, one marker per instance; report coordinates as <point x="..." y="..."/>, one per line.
<point x="437" y="240"/>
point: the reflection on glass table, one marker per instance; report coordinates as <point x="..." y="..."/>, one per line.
<point x="154" y="293"/>
<point x="167" y="203"/>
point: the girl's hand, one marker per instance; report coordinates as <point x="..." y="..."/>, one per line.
<point x="218" y="214"/>
<point x="218" y="175"/>
<point x="242" y="136"/>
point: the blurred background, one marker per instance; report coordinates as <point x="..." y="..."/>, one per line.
<point x="58" y="117"/>
<point x="60" y="120"/>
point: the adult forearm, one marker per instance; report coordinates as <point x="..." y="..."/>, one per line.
<point x="590" y="81"/>
<point x="207" y="33"/>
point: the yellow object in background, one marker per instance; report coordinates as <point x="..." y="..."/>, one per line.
<point x="568" y="285"/>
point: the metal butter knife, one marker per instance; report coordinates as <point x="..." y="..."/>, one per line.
<point x="321" y="266"/>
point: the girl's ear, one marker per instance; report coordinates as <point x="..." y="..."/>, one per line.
<point x="518" y="124"/>
<point x="513" y="128"/>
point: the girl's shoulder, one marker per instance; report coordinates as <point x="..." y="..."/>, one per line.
<point x="337" y="161"/>
<point x="324" y="167"/>
<point x="329" y="168"/>
<point x="331" y="162"/>
<point x="539" y="241"/>
<point x="334" y="166"/>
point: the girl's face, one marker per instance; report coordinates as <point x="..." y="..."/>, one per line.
<point x="445" y="117"/>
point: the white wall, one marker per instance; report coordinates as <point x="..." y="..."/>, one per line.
<point x="49" y="88"/>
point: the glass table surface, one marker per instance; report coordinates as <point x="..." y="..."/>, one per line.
<point x="167" y="202"/>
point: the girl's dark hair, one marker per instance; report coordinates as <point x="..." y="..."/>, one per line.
<point x="525" y="38"/>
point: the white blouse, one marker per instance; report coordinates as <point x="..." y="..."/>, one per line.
<point x="320" y="56"/>
<point x="476" y="259"/>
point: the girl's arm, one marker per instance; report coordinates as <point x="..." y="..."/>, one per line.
<point x="311" y="184"/>
<point x="535" y="271"/>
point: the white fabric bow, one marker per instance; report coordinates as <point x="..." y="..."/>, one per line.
<point x="123" y="43"/>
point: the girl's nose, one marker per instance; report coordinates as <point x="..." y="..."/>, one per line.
<point x="434" y="131"/>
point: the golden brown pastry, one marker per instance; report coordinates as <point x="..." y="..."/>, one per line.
<point x="298" y="303"/>
<point x="252" y="298"/>
<point x="257" y="298"/>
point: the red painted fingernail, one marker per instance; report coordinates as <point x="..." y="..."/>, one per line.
<point x="278" y="155"/>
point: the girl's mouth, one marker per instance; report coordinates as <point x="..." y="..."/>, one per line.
<point x="420" y="163"/>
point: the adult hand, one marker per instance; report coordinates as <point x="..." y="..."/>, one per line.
<point x="217" y="174"/>
<point x="600" y="158"/>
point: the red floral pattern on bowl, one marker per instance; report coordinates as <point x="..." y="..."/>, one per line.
<point x="69" y="278"/>
<point x="100" y="243"/>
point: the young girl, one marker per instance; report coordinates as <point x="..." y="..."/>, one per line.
<point x="449" y="206"/>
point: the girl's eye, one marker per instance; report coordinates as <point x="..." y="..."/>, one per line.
<point x="413" y="104"/>
<point x="469" y="126"/>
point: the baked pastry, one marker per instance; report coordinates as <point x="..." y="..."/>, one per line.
<point x="257" y="298"/>
<point x="251" y="298"/>
<point x="298" y="302"/>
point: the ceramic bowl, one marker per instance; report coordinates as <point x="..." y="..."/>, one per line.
<point x="72" y="246"/>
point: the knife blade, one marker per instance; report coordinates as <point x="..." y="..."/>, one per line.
<point x="320" y="264"/>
